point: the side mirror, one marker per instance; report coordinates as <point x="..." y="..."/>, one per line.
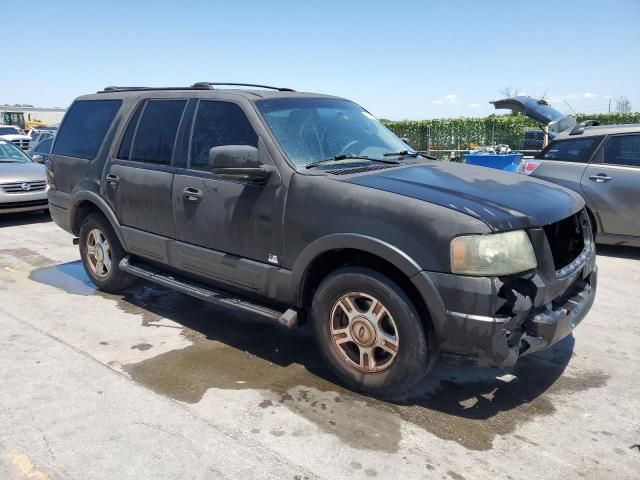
<point x="38" y="158"/>
<point x="238" y="162"/>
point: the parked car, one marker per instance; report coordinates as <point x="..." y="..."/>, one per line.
<point x="304" y="208"/>
<point x="15" y="135"/>
<point x="37" y="134"/>
<point x="39" y="152"/>
<point x="600" y="162"/>
<point x="23" y="185"/>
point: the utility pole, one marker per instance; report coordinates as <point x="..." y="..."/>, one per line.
<point x="609" y="106"/>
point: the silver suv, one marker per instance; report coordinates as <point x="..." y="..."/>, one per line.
<point x="600" y="162"/>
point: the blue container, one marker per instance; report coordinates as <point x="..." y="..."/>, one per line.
<point x="504" y="161"/>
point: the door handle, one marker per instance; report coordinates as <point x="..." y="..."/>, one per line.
<point x="600" y="178"/>
<point x="113" y="179"/>
<point x="192" y="194"/>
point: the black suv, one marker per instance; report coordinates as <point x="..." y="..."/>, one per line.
<point x="305" y="209"/>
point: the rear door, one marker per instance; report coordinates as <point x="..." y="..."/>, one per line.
<point x="139" y="178"/>
<point x="226" y="231"/>
<point x="612" y="185"/>
<point x="564" y="161"/>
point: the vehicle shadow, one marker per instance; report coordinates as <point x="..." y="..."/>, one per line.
<point x="619" y="251"/>
<point x="26" y="218"/>
<point x="469" y="393"/>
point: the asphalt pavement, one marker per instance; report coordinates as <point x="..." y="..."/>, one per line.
<point x="154" y="384"/>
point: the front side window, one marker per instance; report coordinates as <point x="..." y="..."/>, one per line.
<point x="156" y="133"/>
<point x="572" y="150"/>
<point x="623" y="150"/>
<point x="313" y="129"/>
<point x="84" y="128"/>
<point x="217" y="124"/>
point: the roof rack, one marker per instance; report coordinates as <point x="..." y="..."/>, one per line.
<point x="579" y="128"/>
<point x="195" y="86"/>
<point x="212" y="84"/>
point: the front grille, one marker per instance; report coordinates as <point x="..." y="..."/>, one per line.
<point x="32" y="203"/>
<point x="23" y="144"/>
<point x="23" y="187"/>
<point x="566" y="239"/>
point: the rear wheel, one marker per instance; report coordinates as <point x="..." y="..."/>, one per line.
<point x="101" y="253"/>
<point x="370" y="333"/>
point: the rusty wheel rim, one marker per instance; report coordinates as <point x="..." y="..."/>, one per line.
<point x="363" y="332"/>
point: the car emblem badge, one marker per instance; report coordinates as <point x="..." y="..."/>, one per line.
<point x="26" y="187"/>
<point x="272" y="258"/>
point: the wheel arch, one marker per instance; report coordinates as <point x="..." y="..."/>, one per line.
<point x="322" y="257"/>
<point x="85" y="202"/>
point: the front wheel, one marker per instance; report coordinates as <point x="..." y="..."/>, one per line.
<point x="370" y="333"/>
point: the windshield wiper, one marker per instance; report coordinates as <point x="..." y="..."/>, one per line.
<point x="407" y="153"/>
<point x="338" y="158"/>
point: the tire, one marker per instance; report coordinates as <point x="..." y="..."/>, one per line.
<point x="344" y="338"/>
<point x="94" y="232"/>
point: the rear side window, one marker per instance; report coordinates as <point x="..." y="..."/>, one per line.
<point x="127" y="140"/>
<point x="623" y="150"/>
<point x="217" y="124"/>
<point x="572" y="150"/>
<point x="156" y="133"/>
<point x="84" y="128"/>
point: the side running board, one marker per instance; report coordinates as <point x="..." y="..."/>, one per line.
<point x="288" y="319"/>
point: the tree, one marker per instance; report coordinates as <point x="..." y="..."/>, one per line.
<point x="509" y="92"/>
<point x="623" y="105"/>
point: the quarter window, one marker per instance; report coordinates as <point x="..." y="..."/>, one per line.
<point x="84" y="128"/>
<point x="573" y="150"/>
<point x="157" y="131"/>
<point x="217" y="124"/>
<point x="623" y="150"/>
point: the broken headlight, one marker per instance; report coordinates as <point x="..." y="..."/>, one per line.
<point x="492" y="255"/>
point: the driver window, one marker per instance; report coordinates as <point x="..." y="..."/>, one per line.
<point x="217" y="124"/>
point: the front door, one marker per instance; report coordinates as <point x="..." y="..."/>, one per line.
<point x="613" y="185"/>
<point x="227" y="231"/>
<point x="138" y="180"/>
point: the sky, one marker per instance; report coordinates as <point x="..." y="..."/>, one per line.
<point x="399" y="59"/>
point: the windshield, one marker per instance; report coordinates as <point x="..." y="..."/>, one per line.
<point x="313" y="129"/>
<point x="9" y="153"/>
<point x="9" y="131"/>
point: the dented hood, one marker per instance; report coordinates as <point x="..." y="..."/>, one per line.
<point x="538" y="110"/>
<point x="505" y="201"/>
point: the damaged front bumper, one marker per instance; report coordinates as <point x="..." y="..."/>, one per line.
<point x="494" y="321"/>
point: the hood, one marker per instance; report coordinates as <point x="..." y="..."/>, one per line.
<point x="21" y="172"/>
<point x="16" y="136"/>
<point x="538" y="110"/>
<point x="504" y="201"/>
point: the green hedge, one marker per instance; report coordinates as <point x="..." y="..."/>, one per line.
<point x="464" y="133"/>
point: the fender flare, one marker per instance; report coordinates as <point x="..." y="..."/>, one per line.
<point x="100" y="204"/>
<point x="371" y="245"/>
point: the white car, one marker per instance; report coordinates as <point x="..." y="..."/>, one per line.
<point x="15" y="136"/>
